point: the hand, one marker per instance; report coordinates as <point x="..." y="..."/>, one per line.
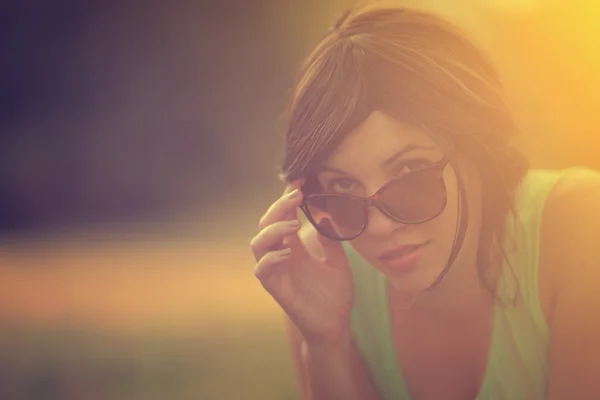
<point x="314" y="290"/>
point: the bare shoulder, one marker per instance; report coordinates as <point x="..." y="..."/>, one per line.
<point x="572" y="208"/>
<point x="577" y="181"/>
<point x="572" y="253"/>
<point x="571" y="223"/>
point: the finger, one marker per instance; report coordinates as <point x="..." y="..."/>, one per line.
<point x="268" y="263"/>
<point x="333" y="250"/>
<point x="293" y="240"/>
<point x="284" y="208"/>
<point x="294" y="186"/>
<point x="271" y="236"/>
<point x="298" y="183"/>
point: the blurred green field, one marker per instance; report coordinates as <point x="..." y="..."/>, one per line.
<point x="44" y="363"/>
<point x="138" y="316"/>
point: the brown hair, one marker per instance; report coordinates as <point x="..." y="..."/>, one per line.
<point x="422" y="70"/>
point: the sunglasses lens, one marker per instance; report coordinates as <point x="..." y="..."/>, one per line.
<point x="336" y="217"/>
<point x="415" y="197"/>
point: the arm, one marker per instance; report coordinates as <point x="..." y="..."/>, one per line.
<point x="573" y="231"/>
<point x="334" y="373"/>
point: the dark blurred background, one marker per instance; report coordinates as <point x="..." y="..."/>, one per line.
<point x="123" y="111"/>
<point x="139" y="145"/>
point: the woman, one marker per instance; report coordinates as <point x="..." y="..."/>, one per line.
<point x="434" y="264"/>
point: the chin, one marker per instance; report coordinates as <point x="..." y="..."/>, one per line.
<point x="414" y="283"/>
<point x="413" y="276"/>
<point x="406" y="262"/>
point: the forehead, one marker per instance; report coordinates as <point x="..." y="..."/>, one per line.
<point x="377" y="139"/>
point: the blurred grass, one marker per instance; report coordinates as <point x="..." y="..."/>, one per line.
<point x="64" y="363"/>
<point x="146" y="314"/>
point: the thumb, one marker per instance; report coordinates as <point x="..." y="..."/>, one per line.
<point x="333" y="250"/>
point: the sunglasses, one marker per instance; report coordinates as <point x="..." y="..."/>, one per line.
<point x="413" y="198"/>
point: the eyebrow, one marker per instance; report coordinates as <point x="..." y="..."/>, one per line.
<point x="385" y="164"/>
<point x="325" y="168"/>
<point x="405" y="150"/>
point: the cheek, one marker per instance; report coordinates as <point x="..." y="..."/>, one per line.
<point x="442" y="229"/>
<point x="364" y="247"/>
<point x="451" y="188"/>
<point x="446" y="224"/>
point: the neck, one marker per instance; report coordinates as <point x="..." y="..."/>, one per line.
<point x="460" y="296"/>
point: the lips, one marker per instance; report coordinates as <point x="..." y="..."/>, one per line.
<point x="402" y="259"/>
<point x="399" y="251"/>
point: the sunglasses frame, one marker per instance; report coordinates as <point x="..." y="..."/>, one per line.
<point x="373" y="201"/>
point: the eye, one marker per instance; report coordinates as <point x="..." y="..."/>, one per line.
<point x="342" y="185"/>
<point x="412" y="165"/>
<point x="418" y="163"/>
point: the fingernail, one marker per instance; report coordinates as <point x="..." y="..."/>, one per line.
<point x="285" y="252"/>
<point x="294" y="194"/>
<point x="294" y="223"/>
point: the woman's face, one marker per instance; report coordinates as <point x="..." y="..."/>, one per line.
<point x="378" y="150"/>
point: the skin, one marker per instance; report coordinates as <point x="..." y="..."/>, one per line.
<point x="570" y="277"/>
<point x="435" y="323"/>
<point x="356" y="168"/>
<point x="311" y="281"/>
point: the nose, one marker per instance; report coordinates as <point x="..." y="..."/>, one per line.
<point x="380" y="224"/>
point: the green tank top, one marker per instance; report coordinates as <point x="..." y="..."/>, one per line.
<point x="517" y="366"/>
